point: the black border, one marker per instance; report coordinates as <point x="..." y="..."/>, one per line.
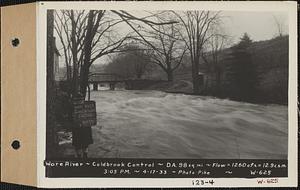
<point x="8" y="186"/>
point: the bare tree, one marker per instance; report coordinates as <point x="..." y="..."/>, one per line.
<point x="196" y="25"/>
<point x="280" y="25"/>
<point x="132" y="63"/>
<point x="214" y="46"/>
<point x="169" y="48"/>
<point x="87" y="36"/>
<point x="162" y="38"/>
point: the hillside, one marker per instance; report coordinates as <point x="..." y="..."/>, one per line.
<point x="269" y="57"/>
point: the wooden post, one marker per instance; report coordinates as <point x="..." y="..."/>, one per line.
<point x="112" y="86"/>
<point x="95" y="86"/>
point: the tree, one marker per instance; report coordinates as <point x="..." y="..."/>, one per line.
<point x="242" y="71"/>
<point x="280" y="25"/>
<point x="161" y="37"/>
<point x="215" y="45"/>
<point x="87" y="36"/>
<point x="132" y="63"/>
<point x="167" y="49"/>
<point x="245" y="42"/>
<point x="195" y="34"/>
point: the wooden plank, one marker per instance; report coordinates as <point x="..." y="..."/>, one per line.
<point x="18" y="94"/>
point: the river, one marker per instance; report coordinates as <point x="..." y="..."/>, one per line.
<point x="155" y="124"/>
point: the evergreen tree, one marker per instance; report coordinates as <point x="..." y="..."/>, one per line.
<point x="242" y="71"/>
<point x="245" y="41"/>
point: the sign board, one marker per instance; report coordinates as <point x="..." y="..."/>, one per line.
<point x="84" y="112"/>
<point x="78" y="100"/>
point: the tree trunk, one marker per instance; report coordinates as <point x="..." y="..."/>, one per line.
<point x="84" y="71"/>
<point x="169" y="70"/>
<point x="74" y="53"/>
<point x="218" y="80"/>
<point x="138" y="75"/>
<point x="195" y="75"/>
<point x="89" y="92"/>
<point x="170" y="76"/>
<point x="196" y="84"/>
<point x="84" y="79"/>
<point x="68" y="71"/>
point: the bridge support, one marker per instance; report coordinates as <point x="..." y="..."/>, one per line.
<point x="128" y="85"/>
<point x="95" y="86"/>
<point x="112" y="86"/>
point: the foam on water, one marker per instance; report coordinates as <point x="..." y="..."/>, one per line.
<point x="154" y="124"/>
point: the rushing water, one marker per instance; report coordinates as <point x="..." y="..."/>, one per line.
<point x="154" y="124"/>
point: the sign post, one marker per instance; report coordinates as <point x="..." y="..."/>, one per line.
<point x="84" y="112"/>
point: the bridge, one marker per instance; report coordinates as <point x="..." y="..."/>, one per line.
<point x="101" y="78"/>
<point x="112" y="79"/>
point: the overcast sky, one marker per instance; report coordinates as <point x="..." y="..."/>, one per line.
<point x="259" y="25"/>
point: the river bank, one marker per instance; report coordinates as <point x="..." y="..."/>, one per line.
<point x="186" y="87"/>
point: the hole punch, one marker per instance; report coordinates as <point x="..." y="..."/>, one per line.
<point x="16" y="144"/>
<point x="15" y="42"/>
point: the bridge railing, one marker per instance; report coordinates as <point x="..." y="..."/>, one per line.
<point x="98" y="77"/>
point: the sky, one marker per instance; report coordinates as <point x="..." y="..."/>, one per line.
<point x="258" y="25"/>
